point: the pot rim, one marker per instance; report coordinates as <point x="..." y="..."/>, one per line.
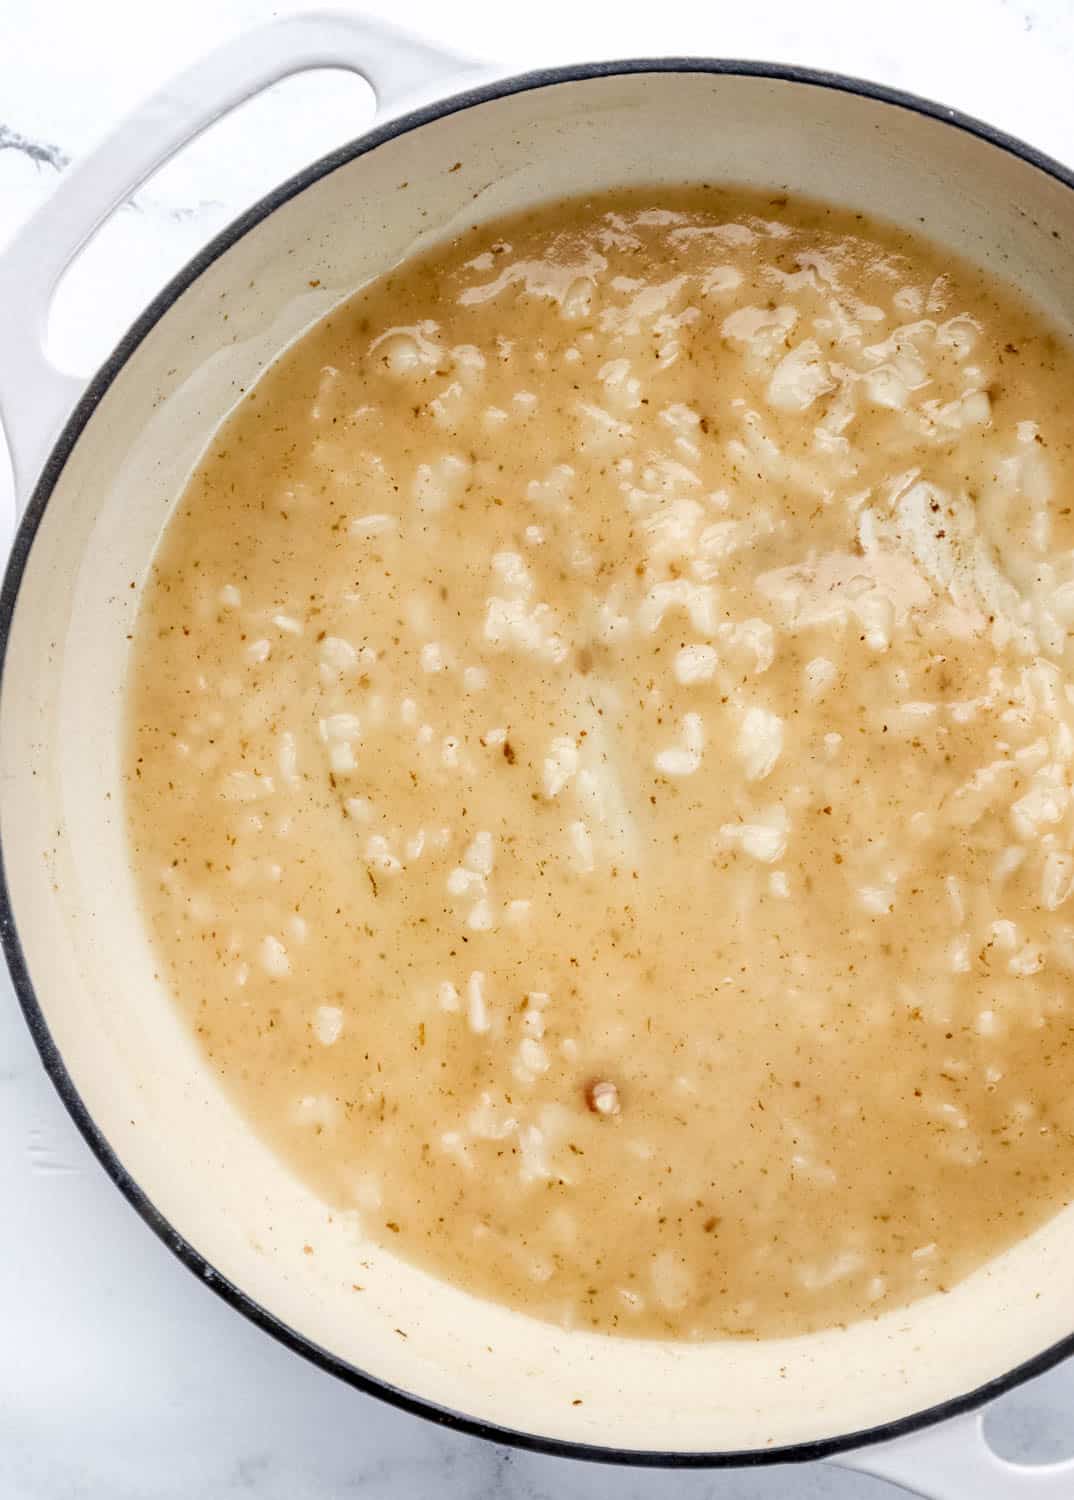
<point x="191" y="1258"/>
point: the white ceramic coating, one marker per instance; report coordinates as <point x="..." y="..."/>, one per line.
<point x="60" y="815"/>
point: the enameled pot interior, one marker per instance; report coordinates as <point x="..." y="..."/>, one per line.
<point x="80" y="948"/>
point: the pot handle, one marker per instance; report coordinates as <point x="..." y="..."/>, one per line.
<point x="953" y="1461"/>
<point x="35" y="397"/>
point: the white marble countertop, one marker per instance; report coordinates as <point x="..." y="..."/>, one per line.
<point x="121" y="1378"/>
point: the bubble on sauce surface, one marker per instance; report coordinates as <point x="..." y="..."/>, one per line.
<point x="328" y="1024"/>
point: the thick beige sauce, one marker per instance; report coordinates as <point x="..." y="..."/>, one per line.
<point x="601" y="746"/>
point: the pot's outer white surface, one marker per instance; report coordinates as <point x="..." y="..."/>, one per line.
<point x="78" y="568"/>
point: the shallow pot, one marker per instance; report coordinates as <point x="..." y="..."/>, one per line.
<point x="98" y="493"/>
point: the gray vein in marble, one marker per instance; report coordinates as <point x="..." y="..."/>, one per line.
<point x="39" y="152"/>
<point x="198" y="210"/>
<point x="44" y="154"/>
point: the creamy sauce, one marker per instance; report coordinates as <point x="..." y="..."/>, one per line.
<point x="601" y="746"/>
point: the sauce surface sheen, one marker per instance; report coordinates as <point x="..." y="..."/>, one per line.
<point x="600" y="760"/>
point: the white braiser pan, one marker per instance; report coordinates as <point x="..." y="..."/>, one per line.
<point x="98" y="472"/>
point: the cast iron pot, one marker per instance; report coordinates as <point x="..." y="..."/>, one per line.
<point x="99" y="471"/>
